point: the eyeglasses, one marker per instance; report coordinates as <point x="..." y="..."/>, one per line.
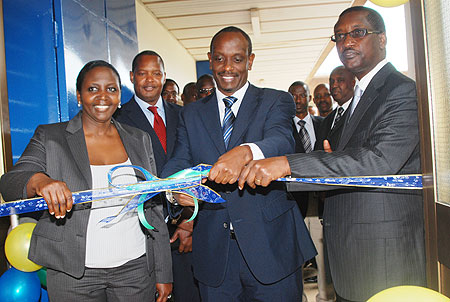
<point x="205" y="90"/>
<point x="358" y="33"/>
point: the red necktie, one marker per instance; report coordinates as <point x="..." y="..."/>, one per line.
<point x="159" y="127"/>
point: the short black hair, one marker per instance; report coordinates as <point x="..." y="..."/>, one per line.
<point x="235" y="30"/>
<point x="91" y="65"/>
<point x="145" y="53"/>
<point x="203" y="78"/>
<point x="373" y="17"/>
<point x="301" y="83"/>
<point x="170" y="81"/>
<point x="190" y="85"/>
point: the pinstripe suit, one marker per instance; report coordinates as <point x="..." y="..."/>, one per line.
<point x="375" y="237"/>
<point x="59" y="150"/>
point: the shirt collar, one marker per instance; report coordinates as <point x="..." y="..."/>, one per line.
<point x="307" y="119"/>
<point x="365" y="81"/>
<point x="345" y="105"/>
<point x="144" y="105"/>
<point x="239" y="94"/>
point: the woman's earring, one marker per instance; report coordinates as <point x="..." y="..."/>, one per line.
<point x="119" y="106"/>
<point x="79" y="105"/>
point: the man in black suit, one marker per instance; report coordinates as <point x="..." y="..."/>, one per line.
<point x="300" y="92"/>
<point x="374" y="237"/>
<point x="305" y="130"/>
<point x="147" y="111"/>
<point x="342" y="82"/>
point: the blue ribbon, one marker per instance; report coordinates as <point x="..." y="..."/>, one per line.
<point x="188" y="182"/>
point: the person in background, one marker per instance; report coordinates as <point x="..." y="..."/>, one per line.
<point x="205" y="85"/>
<point x="312" y="109"/>
<point x="322" y="99"/>
<point x="342" y="82"/>
<point x="170" y="91"/>
<point x="252" y="247"/>
<point x="87" y="260"/>
<point x="374" y="237"/>
<point x="147" y="111"/>
<point x="189" y="94"/>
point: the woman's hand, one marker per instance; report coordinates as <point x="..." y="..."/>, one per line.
<point x="55" y="193"/>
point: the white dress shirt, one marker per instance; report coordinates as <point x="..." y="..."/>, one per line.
<point x="239" y="95"/>
<point x="148" y="114"/>
<point x="365" y="81"/>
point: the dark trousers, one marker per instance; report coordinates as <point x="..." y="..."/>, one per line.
<point x="185" y="287"/>
<point x="240" y="284"/>
<point x="128" y="282"/>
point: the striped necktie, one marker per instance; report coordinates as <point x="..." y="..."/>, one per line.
<point x="228" y="119"/>
<point x="304" y="136"/>
<point x="338" y="116"/>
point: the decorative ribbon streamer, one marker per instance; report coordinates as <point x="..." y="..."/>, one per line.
<point x="188" y="182"/>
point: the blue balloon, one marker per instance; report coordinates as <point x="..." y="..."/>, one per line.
<point x="18" y="286"/>
<point x="44" y="295"/>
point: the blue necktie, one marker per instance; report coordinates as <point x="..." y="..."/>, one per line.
<point x="228" y="119"/>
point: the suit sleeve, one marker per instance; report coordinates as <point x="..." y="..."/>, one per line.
<point x="278" y="139"/>
<point x="33" y="160"/>
<point x="385" y="148"/>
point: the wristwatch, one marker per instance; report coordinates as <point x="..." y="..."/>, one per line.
<point x="171" y="199"/>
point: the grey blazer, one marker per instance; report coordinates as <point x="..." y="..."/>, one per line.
<point x="59" y="150"/>
<point x="374" y="237"/>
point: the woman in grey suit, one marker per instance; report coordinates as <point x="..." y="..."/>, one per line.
<point x="86" y="260"/>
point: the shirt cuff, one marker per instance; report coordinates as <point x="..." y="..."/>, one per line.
<point x="256" y="151"/>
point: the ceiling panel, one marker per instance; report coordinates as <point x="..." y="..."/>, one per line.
<point x="294" y="34"/>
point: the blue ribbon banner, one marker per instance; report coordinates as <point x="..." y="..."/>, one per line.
<point x="188" y="182"/>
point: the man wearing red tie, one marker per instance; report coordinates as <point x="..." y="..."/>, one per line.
<point x="147" y="111"/>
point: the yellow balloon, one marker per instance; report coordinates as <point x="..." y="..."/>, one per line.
<point x="408" y="294"/>
<point x="17" y="245"/>
<point x="389" y="3"/>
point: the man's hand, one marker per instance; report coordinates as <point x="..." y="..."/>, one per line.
<point x="184" y="200"/>
<point x="263" y="172"/>
<point x="55" y="193"/>
<point x="184" y="234"/>
<point x="164" y="290"/>
<point x="229" y="166"/>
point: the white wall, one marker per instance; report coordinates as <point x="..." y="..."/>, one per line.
<point x="152" y="35"/>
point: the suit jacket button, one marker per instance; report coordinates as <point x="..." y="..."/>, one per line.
<point x="225" y="225"/>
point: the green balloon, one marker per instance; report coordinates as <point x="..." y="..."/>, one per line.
<point x="42" y="274"/>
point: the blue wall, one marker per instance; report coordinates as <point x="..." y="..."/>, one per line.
<point x="202" y="68"/>
<point x="47" y="43"/>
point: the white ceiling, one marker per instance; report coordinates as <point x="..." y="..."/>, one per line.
<point x="294" y="38"/>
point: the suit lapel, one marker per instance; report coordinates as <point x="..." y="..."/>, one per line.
<point x="140" y="121"/>
<point x="210" y="118"/>
<point x="246" y="110"/>
<point x="369" y="96"/>
<point x="171" y="118"/>
<point x="77" y="145"/>
<point x="298" y="142"/>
